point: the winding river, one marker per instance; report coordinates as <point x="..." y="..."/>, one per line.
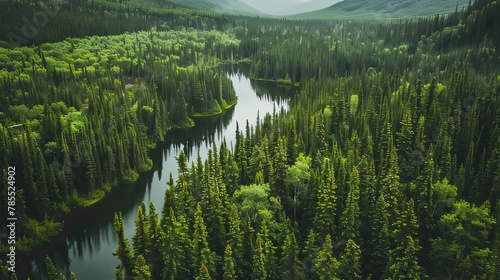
<point x="88" y="240"/>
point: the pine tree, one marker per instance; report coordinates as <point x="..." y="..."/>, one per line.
<point x="248" y="248"/>
<point x="203" y="274"/>
<point x="377" y="248"/>
<point x="52" y="270"/>
<point x="291" y="266"/>
<point x="404" y="145"/>
<point x="140" y="240"/>
<point x="269" y="251"/>
<point x="349" y="222"/>
<point x="141" y="269"/>
<point x="258" y="266"/>
<point x="324" y="220"/>
<point x="202" y="254"/>
<point x="235" y="239"/>
<point x="172" y="252"/>
<point x="310" y="252"/>
<point x="123" y="250"/>
<point x="403" y="262"/>
<point x="350" y="261"/>
<point x="229" y="272"/>
<point x="326" y="265"/>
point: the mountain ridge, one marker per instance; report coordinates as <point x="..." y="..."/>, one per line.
<point x="223" y="6"/>
<point x="380" y="9"/>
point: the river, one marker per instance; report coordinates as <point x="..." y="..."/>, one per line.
<point x="88" y="240"/>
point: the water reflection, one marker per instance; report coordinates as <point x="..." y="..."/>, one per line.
<point x="88" y="240"/>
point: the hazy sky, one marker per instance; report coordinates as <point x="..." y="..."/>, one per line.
<point x="282" y="7"/>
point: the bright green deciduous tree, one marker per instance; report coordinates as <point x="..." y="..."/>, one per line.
<point x="462" y="246"/>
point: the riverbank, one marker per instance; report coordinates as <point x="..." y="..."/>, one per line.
<point x="49" y="233"/>
<point x="287" y="82"/>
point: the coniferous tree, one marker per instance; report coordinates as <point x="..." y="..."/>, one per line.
<point x="324" y="221"/>
<point x="123" y="251"/>
<point x="291" y="265"/>
<point x="326" y="265"/>
<point x="141" y="269"/>
<point x="309" y="252"/>
<point x="403" y="262"/>
<point x="349" y="222"/>
<point x="202" y="254"/>
<point x="140" y="240"/>
<point x="350" y="261"/>
<point x="259" y="259"/>
<point x="52" y="270"/>
<point x="235" y="239"/>
<point x="203" y="273"/>
<point x="229" y="272"/>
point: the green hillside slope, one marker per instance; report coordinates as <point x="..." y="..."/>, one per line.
<point x="225" y="6"/>
<point x="380" y="9"/>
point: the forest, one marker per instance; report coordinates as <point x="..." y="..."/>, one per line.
<point x="386" y="166"/>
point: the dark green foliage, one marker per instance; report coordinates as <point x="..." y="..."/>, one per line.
<point x="141" y="269"/>
<point x="229" y="272"/>
<point x="388" y="133"/>
<point x="385" y="165"/>
<point x="123" y="251"/>
<point x="325" y="264"/>
<point x="291" y="266"/>
<point x="350" y="261"/>
<point x="52" y="272"/>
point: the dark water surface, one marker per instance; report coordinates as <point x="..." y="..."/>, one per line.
<point x="88" y="240"/>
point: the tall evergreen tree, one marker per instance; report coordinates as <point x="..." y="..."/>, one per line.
<point x="403" y="262"/>
<point x="350" y="261"/>
<point x="202" y="255"/>
<point x="123" y="251"/>
<point x="291" y="265"/>
<point x="140" y="240"/>
<point x="349" y="222"/>
<point x="141" y="269"/>
<point x="229" y="272"/>
<point x="324" y="220"/>
<point x="259" y="260"/>
<point x="52" y="270"/>
<point x="326" y="265"/>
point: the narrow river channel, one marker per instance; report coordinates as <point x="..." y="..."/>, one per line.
<point x="87" y="244"/>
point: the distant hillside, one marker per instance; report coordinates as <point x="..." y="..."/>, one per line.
<point x="376" y="9"/>
<point x="224" y="6"/>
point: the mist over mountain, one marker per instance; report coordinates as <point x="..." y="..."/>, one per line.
<point x="288" y="7"/>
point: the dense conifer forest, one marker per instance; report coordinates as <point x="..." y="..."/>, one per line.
<point x="386" y="166"/>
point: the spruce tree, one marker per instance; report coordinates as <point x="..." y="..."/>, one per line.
<point x="349" y="222"/>
<point x="259" y="259"/>
<point x="52" y="270"/>
<point x="291" y="265"/>
<point x="229" y="272"/>
<point x="141" y="269"/>
<point x="123" y="251"/>
<point x="326" y="265"/>
<point x="203" y="273"/>
<point x="140" y="240"/>
<point x="403" y="262"/>
<point x="202" y="254"/>
<point x="324" y="220"/>
<point x="350" y="261"/>
<point x="235" y="239"/>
